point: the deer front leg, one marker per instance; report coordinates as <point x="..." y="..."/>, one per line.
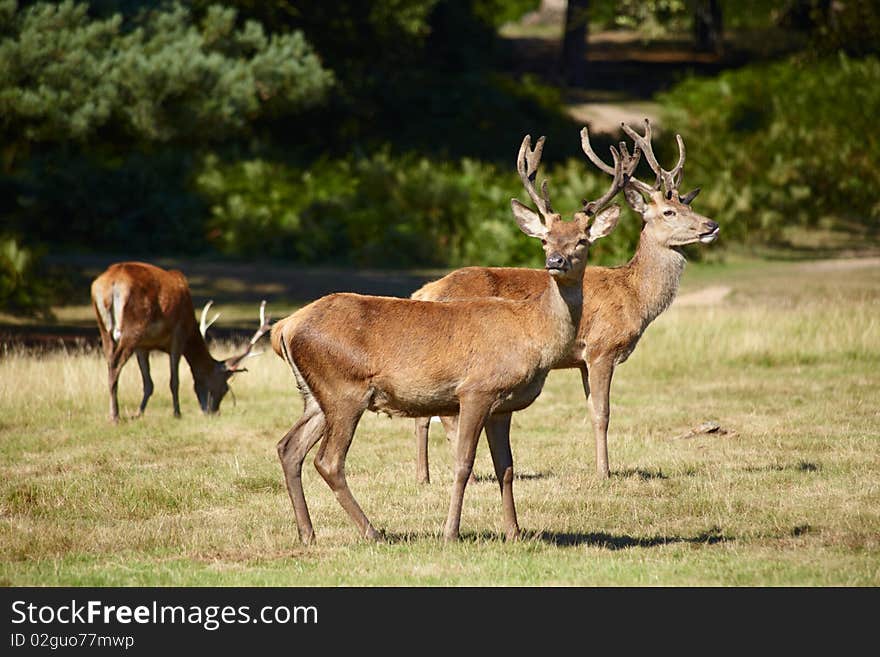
<point x="450" y="426"/>
<point x="597" y="385"/>
<point x="143" y="358"/>
<point x="473" y="412"/>
<point x="422" y="425"/>
<point x="498" y="435"/>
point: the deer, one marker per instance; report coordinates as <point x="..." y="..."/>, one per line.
<point x="619" y="303"/>
<point x="479" y="359"/>
<point x="140" y="307"/>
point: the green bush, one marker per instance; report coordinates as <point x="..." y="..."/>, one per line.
<point x="388" y="211"/>
<point x="22" y="289"/>
<point x="781" y="144"/>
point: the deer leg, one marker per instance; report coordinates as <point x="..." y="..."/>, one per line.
<point x="423" y="475"/>
<point x="292" y="450"/>
<point x="174" y="358"/>
<point x="498" y="436"/>
<point x="450" y="426"/>
<point x="143" y="358"/>
<point x="471" y="418"/>
<point x="117" y="360"/>
<point x="598" y="385"/>
<point x="330" y="463"/>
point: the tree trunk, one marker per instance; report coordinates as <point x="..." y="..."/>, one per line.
<point x="574" y="42"/>
<point x="708" y="27"/>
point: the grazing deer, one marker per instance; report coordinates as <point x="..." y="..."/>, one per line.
<point x="619" y="302"/>
<point x="473" y="358"/>
<point x="141" y="307"/>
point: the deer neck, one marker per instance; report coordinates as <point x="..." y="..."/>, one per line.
<point x="656" y="271"/>
<point x="197" y="355"/>
<point x="561" y="305"/>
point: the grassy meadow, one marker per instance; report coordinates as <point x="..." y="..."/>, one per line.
<point x="784" y="356"/>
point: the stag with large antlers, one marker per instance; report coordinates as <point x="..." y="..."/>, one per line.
<point x="139" y="308"/>
<point x="480" y="359"/>
<point x="618" y="302"/>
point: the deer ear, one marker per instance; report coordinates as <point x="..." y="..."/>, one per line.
<point x="529" y="221"/>
<point x="635" y="200"/>
<point x="605" y="222"/>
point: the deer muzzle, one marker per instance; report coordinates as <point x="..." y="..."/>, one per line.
<point x="557" y="264"/>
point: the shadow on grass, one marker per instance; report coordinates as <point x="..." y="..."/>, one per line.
<point x="800" y="466"/>
<point x="711" y="536"/>
<point x="622" y="542"/>
<point x="517" y="476"/>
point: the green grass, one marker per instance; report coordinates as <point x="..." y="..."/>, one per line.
<point x="788" y="363"/>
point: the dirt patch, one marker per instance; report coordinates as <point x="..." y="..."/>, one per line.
<point x="708" y="296"/>
<point x="840" y="264"/>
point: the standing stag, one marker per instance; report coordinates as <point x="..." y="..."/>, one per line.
<point x="472" y="358"/>
<point x="141" y="307"/>
<point x="619" y="302"/>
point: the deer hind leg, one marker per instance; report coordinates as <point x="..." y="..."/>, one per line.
<point x="474" y="410"/>
<point x="498" y="436"/>
<point x="292" y="450"/>
<point x="143" y="359"/>
<point x="174" y="358"/>
<point x="118" y="357"/>
<point x="598" y="385"/>
<point x="423" y="475"/>
<point x="342" y="421"/>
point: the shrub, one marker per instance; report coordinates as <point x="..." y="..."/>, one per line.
<point x="22" y="289"/>
<point x="387" y="211"/>
<point x="780" y="144"/>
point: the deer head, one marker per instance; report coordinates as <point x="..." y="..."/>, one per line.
<point x="566" y="243"/>
<point x="668" y="216"/>
<point x="212" y="386"/>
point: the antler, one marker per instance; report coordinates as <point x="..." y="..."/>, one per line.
<point x="527" y="165"/>
<point x="203" y="325"/>
<point x="265" y="325"/>
<point x="620" y="179"/>
<point x="670" y="179"/>
<point x="624" y="166"/>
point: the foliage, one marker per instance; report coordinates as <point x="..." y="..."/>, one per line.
<point x="386" y="211"/>
<point x="158" y="77"/>
<point x="781" y="144"/>
<point x="22" y="289"/>
<point x="137" y="203"/>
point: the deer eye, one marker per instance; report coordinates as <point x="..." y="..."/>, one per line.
<point x="668" y="213"/>
<point x="544" y="242"/>
<point x="583" y="241"/>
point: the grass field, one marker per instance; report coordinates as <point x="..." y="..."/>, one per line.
<point x="787" y="362"/>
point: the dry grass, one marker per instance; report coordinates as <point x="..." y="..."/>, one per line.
<point x="788" y="363"/>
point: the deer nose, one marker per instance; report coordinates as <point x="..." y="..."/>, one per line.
<point x="555" y="261"/>
<point x="711" y="226"/>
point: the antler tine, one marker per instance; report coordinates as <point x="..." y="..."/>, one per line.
<point x="203" y="325"/>
<point x="678" y="170"/>
<point x="628" y="162"/>
<point x="527" y="162"/>
<point x="265" y="325"/>
<point x="590" y="153"/>
<point x="620" y="179"/>
<point x="669" y="179"/>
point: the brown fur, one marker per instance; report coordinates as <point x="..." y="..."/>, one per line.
<point x="155" y="312"/>
<point x="618" y="305"/>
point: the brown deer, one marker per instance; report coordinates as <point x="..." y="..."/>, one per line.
<point x="351" y="353"/>
<point x="619" y="302"/>
<point x="141" y="307"/>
